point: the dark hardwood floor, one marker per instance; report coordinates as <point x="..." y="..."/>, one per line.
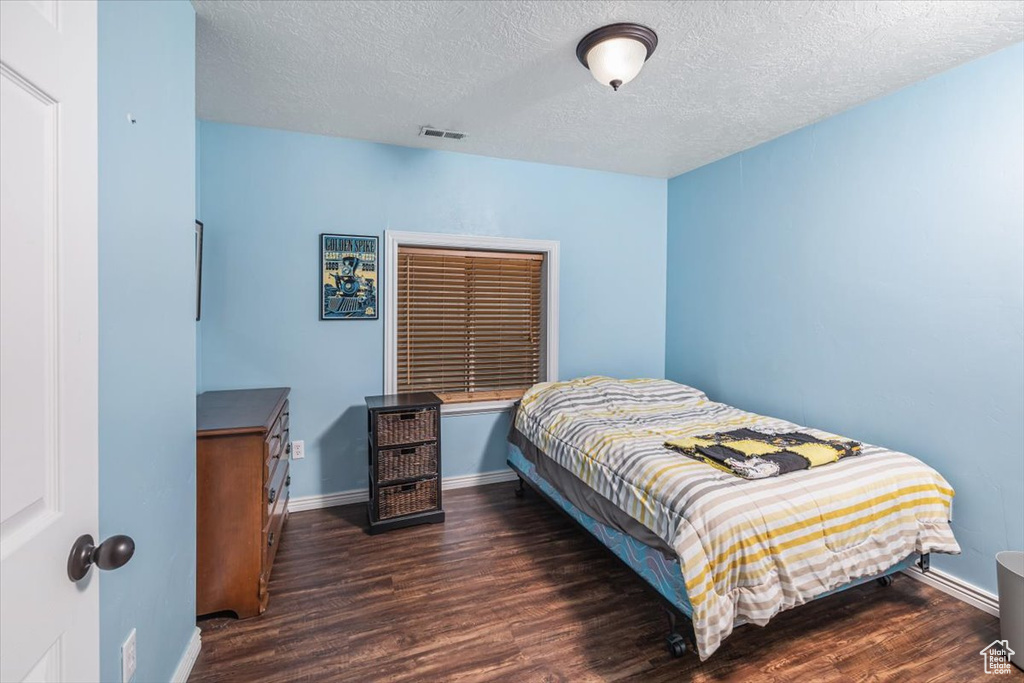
<point x="509" y="589"/>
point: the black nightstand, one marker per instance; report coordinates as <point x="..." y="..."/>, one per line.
<point x="404" y="432"/>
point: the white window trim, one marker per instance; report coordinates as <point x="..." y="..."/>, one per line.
<point x="394" y="239"/>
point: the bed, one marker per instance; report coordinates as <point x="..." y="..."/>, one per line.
<point x="720" y="550"/>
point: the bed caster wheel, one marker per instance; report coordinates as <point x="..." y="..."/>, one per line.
<point x="884" y="581"/>
<point x="676" y="645"/>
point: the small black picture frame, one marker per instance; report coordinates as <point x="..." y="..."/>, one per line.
<point x="199" y="269"/>
<point x="349" y="277"/>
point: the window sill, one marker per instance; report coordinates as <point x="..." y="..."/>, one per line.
<point x="475" y="408"/>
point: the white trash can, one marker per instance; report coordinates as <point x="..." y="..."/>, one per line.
<point x="1010" y="578"/>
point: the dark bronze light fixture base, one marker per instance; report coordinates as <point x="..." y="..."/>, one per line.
<point x="636" y="32"/>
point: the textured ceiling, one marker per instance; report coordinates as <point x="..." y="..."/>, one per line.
<point x="726" y="75"/>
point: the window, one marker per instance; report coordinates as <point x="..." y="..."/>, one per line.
<point x="469" y="318"/>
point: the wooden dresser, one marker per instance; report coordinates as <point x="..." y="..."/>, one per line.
<point x="242" y="482"/>
<point x="404" y="432"/>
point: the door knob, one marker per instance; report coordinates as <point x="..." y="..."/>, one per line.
<point x="111" y="554"/>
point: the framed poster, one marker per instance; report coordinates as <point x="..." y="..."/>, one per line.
<point x="199" y="269"/>
<point x="349" y="273"/>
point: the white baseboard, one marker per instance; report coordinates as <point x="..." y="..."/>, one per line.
<point x="327" y="500"/>
<point x="481" y="479"/>
<point x="958" y="588"/>
<point x="188" y="659"/>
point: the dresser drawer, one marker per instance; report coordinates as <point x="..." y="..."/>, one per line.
<point x="394" y="429"/>
<point x="272" y="532"/>
<point x="271" y="541"/>
<point x="276" y="488"/>
<point x="281" y="423"/>
<point x="277" y="447"/>
<point x="277" y="436"/>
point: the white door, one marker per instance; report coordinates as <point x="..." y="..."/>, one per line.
<point x="49" y="626"/>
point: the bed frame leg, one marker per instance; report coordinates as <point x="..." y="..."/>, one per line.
<point x="925" y="563"/>
<point x="675" y="641"/>
<point x="519" y="490"/>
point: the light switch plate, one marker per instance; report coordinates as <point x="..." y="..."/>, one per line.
<point x="128" y="658"/>
<point x="298" y="450"/>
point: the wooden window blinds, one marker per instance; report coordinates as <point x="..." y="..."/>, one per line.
<point x="469" y="323"/>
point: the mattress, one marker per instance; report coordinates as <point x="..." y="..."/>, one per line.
<point x="746" y="549"/>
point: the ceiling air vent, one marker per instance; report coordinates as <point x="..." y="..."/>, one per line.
<point x="429" y="132"/>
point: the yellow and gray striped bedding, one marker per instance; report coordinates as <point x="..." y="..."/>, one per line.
<point x="748" y="549"/>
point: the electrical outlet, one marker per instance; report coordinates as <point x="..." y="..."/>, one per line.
<point x="298" y="450"/>
<point x="128" y="660"/>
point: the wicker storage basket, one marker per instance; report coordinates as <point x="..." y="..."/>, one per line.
<point x="407" y="499"/>
<point x="406" y="463"/>
<point x="408" y="427"/>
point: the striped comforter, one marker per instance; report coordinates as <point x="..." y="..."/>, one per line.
<point x="748" y="549"/>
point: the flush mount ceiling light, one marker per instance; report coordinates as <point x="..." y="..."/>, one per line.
<point x="616" y="53"/>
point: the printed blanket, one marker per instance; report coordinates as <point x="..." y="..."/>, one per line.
<point x="751" y="454"/>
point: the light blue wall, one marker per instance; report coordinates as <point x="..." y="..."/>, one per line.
<point x="866" y="275"/>
<point x="147" y="328"/>
<point x="267" y="195"/>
